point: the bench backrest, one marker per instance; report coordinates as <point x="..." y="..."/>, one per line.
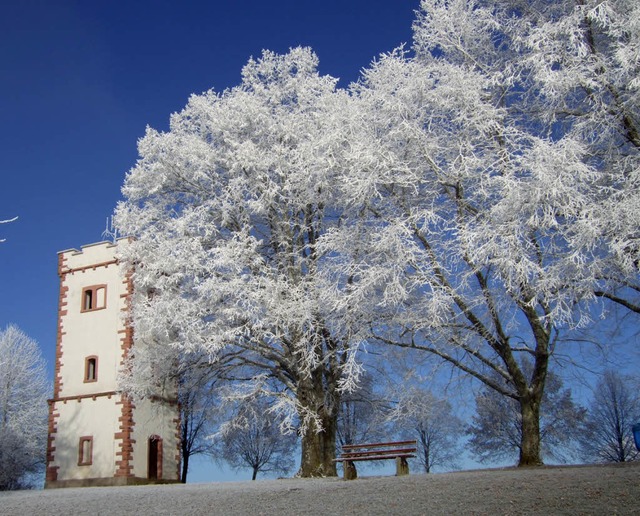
<point x="395" y="444"/>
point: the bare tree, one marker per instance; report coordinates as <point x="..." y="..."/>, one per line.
<point x="199" y="407"/>
<point x="253" y="439"/>
<point x="23" y="409"/>
<point x="431" y="421"/>
<point x="496" y="432"/>
<point x="607" y="435"/>
<point x="361" y="413"/>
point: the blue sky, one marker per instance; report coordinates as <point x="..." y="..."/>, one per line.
<point x="79" y="82"/>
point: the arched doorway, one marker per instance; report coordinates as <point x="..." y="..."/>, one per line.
<point x="154" y="468"/>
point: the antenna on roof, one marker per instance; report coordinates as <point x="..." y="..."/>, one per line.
<point x="110" y="232"/>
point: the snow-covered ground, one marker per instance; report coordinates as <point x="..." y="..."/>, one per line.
<point x="551" y="490"/>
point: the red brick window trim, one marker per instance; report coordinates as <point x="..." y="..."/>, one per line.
<point x="85" y="451"/>
<point x="94" y="298"/>
<point x="91" y="369"/>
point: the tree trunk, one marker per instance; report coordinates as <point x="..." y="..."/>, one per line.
<point x="426" y="450"/>
<point x="255" y="472"/>
<point x="620" y="439"/>
<point x="318" y="445"/>
<point x="531" y="394"/>
<point x="530" y="440"/>
<point x="185" y="468"/>
<point x="319" y="450"/>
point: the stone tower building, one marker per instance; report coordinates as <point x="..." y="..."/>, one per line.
<point x="98" y="436"/>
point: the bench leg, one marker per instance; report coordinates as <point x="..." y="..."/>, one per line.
<point x="402" y="466"/>
<point x="349" y="469"/>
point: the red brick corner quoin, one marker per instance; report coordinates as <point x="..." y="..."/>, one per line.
<point x="124" y="466"/>
<point x="52" y="471"/>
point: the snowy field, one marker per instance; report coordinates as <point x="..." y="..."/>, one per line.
<point x="551" y="490"/>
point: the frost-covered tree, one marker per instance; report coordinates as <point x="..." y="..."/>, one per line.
<point x="252" y="439"/>
<point x="431" y="421"/>
<point x="23" y="409"/>
<point x="496" y="430"/>
<point x="496" y="175"/>
<point x="227" y="209"/>
<point x="607" y="435"/>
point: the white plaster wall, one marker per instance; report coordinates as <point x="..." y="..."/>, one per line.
<point x="87" y="417"/>
<point x="155" y="418"/>
<point x="92" y="332"/>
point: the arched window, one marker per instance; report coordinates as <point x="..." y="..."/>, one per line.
<point x="85" y="451"/>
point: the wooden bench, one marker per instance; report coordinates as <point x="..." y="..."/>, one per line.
<point x="398" y="450"/>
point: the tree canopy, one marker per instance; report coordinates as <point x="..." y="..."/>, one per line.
<point x="227" y="209"/>
<point x="486" y="194"/>
<point x="476" y="197"/>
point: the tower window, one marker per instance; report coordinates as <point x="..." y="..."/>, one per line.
<point x="91" y="369"/>
<point x="85" y="451"/>
<point x="94" y="298"/>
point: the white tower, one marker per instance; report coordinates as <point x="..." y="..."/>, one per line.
<point x="96" y="435"/>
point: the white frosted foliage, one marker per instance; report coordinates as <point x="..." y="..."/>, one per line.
<point x="227" y="209"/>
<point x="23" y="409"/>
